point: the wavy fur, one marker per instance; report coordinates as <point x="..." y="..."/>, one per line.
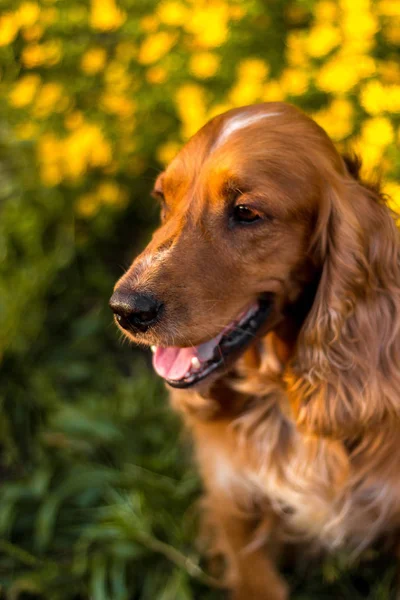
<point x="298" y="441"/>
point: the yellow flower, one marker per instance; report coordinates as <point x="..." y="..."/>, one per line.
<point x="117" y="77"/>
<point x="246" y="92"/>
<point x="49" y="15"/>
<point x="48" y="53"/>
<point x="27" y="14"/>
<point x="149" y="23"/>
<point x="336" y="76"/>
<point x="273" y="92"/>
<point x="393" y="98"/>
<point x="87" y="205"/>
<point x="209" y="23"/>
<point x="337" y="119"/>
<point x="204" y="64"/>
<point x="253" y="68"/>
<point x="49" y="156"/>
<point x="156" y="75"/>
<point x="156" y="46"/>
<point x="389" y="8"/>
<point x="118" y="104"/>
<point x="85" y="147"/>
<point x="342" y="72"/>
<point x="377" y="98"/>
<point x="392" y="189"/>
<point x="24" y="90"/>
<point x="71" y="157"/>
<point x="75" y="160"/>
<point x="109" y="192"/>
<point x="296" y="43"/>
<point x="167" y="152"/>
<point x="172" y="13"/>
<point x="105" y="15"/>
<point x="26" y="131"/>
<point x="322" y="39"/>
<point x="377" y="131"/>
<point x="373" y="97"/>
<point x="73" y="120"/>
<point x="390" y="71"/>
<point x="294" y="82"/>
<point x="53" y="52"/>
<point x="100" y="155"/>
<point x="49" y="150"/>
<point x="9" y="27"/>
<point x="359" y="27"/>
<point x="371" y="156"/>
<point x="376" y="135"/>
<point x="191" y="103"/>
<point x="326" y="10"/>
<point x="33" y="33"/>
<point x="236" y="12"/>
<point x="50" y="98"/>
<point x="93" y="60"/>
<point x="364" y="65"/>
<point x="51" y="175"/>
<point x="391" y="32"/>
<point x="250" y="83"/>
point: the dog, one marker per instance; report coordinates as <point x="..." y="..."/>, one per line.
<point x="270" y="296"/>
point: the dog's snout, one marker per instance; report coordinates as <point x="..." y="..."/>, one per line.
<point x="135" y="311"/>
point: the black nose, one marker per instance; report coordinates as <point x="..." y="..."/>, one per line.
<point x="134" y="311"/>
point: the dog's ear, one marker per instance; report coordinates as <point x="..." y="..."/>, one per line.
<point x="346" y="373"/>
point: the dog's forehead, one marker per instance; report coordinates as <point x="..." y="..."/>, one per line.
<point x="210" y="146"/>
<point x="254" y="148"/>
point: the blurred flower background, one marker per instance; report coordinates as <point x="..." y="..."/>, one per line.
<point x="97" y="499"/>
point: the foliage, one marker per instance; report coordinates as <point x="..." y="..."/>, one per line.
<point x="97" y="498"/>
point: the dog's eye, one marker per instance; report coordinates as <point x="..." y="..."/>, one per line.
<point x="158" y="195"/>
<point x="245" y="214"/>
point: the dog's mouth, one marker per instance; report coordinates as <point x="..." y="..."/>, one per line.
<point x="185" y="367"/>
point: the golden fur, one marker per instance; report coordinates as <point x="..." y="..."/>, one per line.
<point x="299" y="439"/>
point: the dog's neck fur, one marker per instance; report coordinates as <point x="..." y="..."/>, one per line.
<point x="294" y="316"/>
<point x="279" y="344"/>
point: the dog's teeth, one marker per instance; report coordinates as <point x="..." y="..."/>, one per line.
<point x="253" y="323"/>
<point x="153" y="348"/>
<point x="195" y="362"/>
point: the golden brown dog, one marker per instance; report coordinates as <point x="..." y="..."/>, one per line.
<point x="271" y="297"/>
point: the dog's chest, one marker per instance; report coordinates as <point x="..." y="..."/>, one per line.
<point x="275" y="469"/>
<point x="260" y="461"/>
<point x="303" y="497"/>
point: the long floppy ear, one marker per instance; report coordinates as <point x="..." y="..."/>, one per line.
<point x="346" y="372"/>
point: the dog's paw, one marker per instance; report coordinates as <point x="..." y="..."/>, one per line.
<point x="275" y="591"/>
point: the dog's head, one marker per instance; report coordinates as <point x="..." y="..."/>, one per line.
<point x="242" y="206"/>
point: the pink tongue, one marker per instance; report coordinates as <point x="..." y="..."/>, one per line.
<point x="173" y="363"/>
